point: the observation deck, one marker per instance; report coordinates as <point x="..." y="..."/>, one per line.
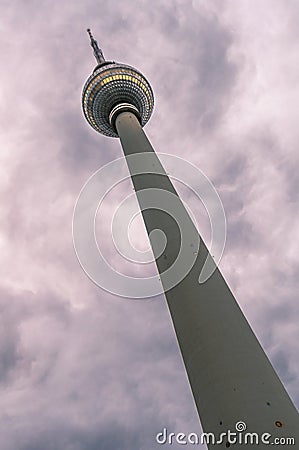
<point x="115" y="87"/>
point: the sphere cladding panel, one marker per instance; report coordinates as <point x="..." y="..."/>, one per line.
<point x="111" y="85"/>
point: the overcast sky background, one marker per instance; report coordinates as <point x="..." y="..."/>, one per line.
<point x="81" y="369"/>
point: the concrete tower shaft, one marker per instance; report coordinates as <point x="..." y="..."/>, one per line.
<point x="231" y="378"/>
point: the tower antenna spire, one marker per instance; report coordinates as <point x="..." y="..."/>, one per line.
<point x="96" y="50"/>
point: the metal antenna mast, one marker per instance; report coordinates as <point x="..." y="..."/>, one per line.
<point x="96" y="50"/>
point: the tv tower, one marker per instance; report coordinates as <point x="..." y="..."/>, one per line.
<point x="231" y="378"/>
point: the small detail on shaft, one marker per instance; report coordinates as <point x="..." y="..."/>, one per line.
<point x="96" y="50"/>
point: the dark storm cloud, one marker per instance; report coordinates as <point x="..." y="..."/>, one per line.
<point x="199" y="73"/>
<point x="9" y="347"/>
<point x="216" y="74"/>
<point x="292" y="181"/>
<point x="82" y="150"/>
<point x="281" y="364"/>
<point x="69" y="370"/>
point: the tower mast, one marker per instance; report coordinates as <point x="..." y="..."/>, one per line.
<point x="230" y="376"/>
<point x="96" y="50"/>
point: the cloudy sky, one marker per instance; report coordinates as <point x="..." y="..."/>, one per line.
<point x="82" y="369"/>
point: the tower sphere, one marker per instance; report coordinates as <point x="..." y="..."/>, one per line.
<point x="112" y="84"/>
